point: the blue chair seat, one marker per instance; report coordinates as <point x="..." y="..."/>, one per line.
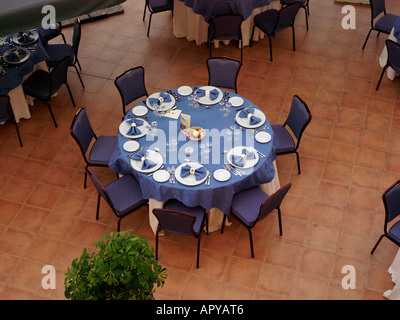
<point x="266" y="20"/>
<point x="385" y="23"/>
<point x="394" y="231"/>
<point x="57" y="52"/>
<point x="198" y="212"/>
<point x="293" y="1"/>
<point x="102" y="150"/>
<point x="286" y="142"/>
<point x="241" y="208"/>
<point x="160" y="5"/>
<point x="125" y="195"/>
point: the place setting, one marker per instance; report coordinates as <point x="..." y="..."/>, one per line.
<point x="192" y="174"/>
<point x="134" y="128"/>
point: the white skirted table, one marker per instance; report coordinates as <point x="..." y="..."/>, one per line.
<point x="391" y="74"/>
<point x="394" y="270"/>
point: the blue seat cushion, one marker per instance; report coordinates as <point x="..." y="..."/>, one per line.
<point x="394" y="231"/>
<point x="197" y="212"/>
<point x="161" y="5"/>
<point x="285" y="140"/>
<point x="246" y="204"/>
<point x="266" y="20"/>
<point x="38" y="85"/>
<point x="102" y="150"/>
<point x="57" y="52"/>
<point x="385" y="23"/>
<point x="125" y="194"/>
<point x="303" y="2"/>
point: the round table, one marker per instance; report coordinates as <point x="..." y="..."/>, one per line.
<point x="222" y="134"/>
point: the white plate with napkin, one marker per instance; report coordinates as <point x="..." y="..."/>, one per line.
<point x="189" y="180"/>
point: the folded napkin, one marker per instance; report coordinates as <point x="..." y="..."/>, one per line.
<point x="25" y="37"/>
<point x="13" y="56"/>
<point x="248" y="113"/>
<point x="396" y="28"/>
<point x="239" y="159"/>
<point x="213" y="94"/>
<point x="164" y="97"/>
<point x="133" y="130"/>
<point x="142" y="156"/>
<point x="199" y="173"/>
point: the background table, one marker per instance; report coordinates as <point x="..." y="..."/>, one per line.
<point x="218" y="196"/>
<point x="191" y="17"/>
<point x="391" y="74"/>
<point x="11" y="83"/>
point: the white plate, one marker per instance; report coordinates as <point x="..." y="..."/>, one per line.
<point x="164" y="105"/>
<point x="32" y="33"/>
<point x="263" y="137"/>
<point x="185" y="90"/>
<point x="189" y="180"/>
<point x="207" y="100"/>
<point x="236" y="101"/>
<point x="125" y="126"/>
<point x="131" y="146"/>
<point x="245" y="122"/>
<point x="139" y="111"/>
<point x="152" y="156"/>
<point x="222" y="175"/>
<point x="248" y="163"/>
<point x="161" y="175"/>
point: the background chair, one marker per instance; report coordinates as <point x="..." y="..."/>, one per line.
<point x="49" y="34"/>
<point x="223" y="72"/>
<point x="393" y="60"/>
<point x="226" y="27"/>
<point x="391" y="200"/>
<point x="131" y="86"/>
<point x="102" y="148"/>
<point x="384" y="23"/>
<point x="298" y="119"/>
<point x="57" y="52"/>
<point x="273" y="21"/>
<point x="253" y="205"/>
<point x="6" y="113"/>
<point x="42" y="84"/>
<point x="304" y="4"/>
<point x="122" y="195"/>
<point x="156" y="6"/>
<point x="180" y="219"/>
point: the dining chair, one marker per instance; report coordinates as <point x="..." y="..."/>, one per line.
<point x="51" y="33"/>
<point x="391" y="201"/>
<point x="43" y="85"/>
<point x="296" y="122"/>
<point x="57" y="52"/>
<point x="102" y="148"/>
<point x="131" y="86"/>
<point x="123" y="195"/>
<point x="177" y="218"/>
<point x="156" y="6"/>
<point x="385" y="23"/>
<point x="252" y="205"/>
<point x="273" y="21"/>
<point x="304" y="4"/>
<point x="223" y="72"/>
<point x="6" y="113"/>
<point x="226" y="27"/>
<point x="393" y="60"/>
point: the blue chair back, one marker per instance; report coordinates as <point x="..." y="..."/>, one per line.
<point x="226" y="27"/>
<point x="58" y="75"/>
<point x="299" y="117"/>
<point x="82" y="131"/>
<point x="393" y="49"/>
<point x="175" y="222"/>
<point x="99" y="187"/>
<point x="273" y="201"/>
<point x="286" y="16"/>
<point x="131" y="85"/>
<point x="391" y="200"/>
<point x="76" y="37"/>
<point x="223" y="72"/>
<point x="377" y="7"/>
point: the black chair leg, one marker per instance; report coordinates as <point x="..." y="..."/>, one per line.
<point x="378" y="34"/>
<point x="380" y="79"/>
<point x="376" y="245"/>
<point x="198" y="252"/>
<point x="252" y="35"/>
<point x="98" y="207"/>
<point x="62" y="35"/>
<point x="270" y="48"/>
<point x="70" y="95"/>
<point x="298" y="162"/>
<point x="365" y="42"/>
<point x="52" y="115"/>
<point x="144" y="13"/>
<point x="119" y="225"/>
<point x="148" y="29"/>
<point x="84" y="181"/>
<point x="19" y="137"/>
<point x="223" y="223"/>
<point x="294" y="40"/>
<point x="251" y="243"/>
<point x="79" y="76"/>
<point x="280" y="221"/>
<point x="79" y="65"/>
<point x="305" y="11"/>
<point x="157" y="245"/>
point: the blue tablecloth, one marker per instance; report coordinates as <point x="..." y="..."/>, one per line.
<point x="209" y="8"/>
<point x="14" y="74"/>
<point x="217" y="194"/>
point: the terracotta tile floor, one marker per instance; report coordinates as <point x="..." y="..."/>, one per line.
<point x="331" y="217"/>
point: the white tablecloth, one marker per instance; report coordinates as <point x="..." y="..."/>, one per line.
<point x="187" y="24"/>
<point x="394" y="270"/>
<point x="391" y="74"/>
<point x="215" y="216"/>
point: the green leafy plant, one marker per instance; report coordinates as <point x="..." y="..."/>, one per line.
<point x="123" y="268"/>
